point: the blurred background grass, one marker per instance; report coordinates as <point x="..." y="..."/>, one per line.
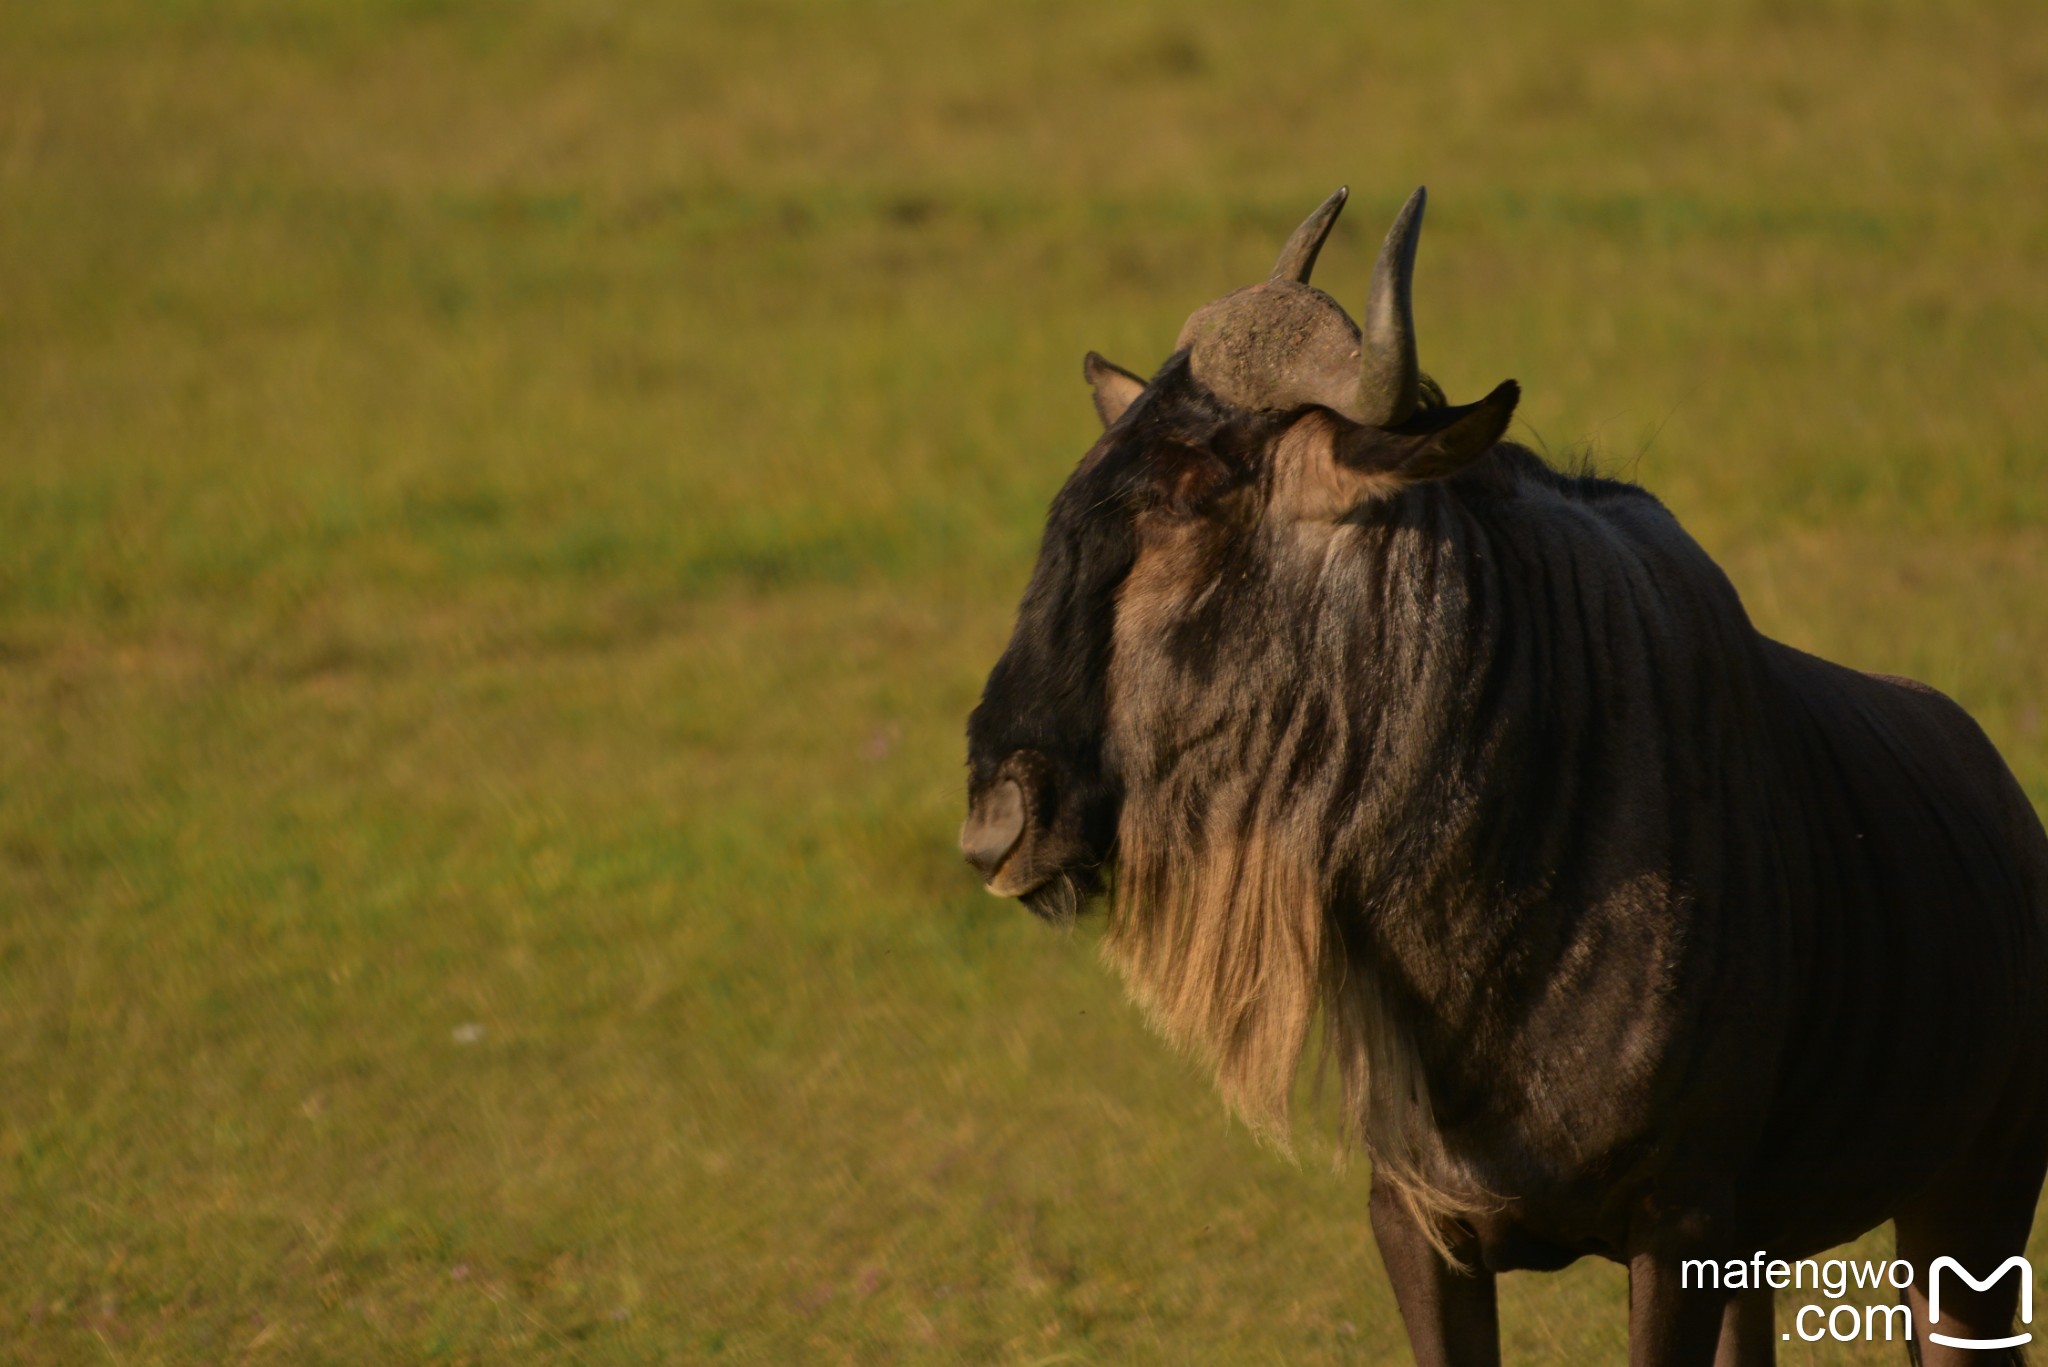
<point x="504" y="509"/>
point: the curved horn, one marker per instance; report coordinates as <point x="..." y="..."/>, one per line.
<point x="1298" y="257"/>
<point x="1389" y="381"/>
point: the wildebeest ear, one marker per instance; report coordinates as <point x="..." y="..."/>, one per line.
<point x="1325" y="465"/>
<point x="1115" y="388"/>
<point x="1436" y="442"/>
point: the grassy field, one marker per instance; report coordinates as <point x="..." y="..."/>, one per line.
<point x="504" y="510"/>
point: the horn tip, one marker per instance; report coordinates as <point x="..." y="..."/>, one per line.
<point x="1408" y="222"/>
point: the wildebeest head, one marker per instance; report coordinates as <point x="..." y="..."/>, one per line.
<point x="1275" y="420"/>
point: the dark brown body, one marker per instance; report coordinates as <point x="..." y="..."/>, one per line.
<point x="1633" y="932"/>
<point x="1702" y="945"/>
<point x="1796" y="907"/>
<point x="1769" y="971"/>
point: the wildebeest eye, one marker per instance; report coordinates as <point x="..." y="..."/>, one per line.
<point x="1186" y="480"/>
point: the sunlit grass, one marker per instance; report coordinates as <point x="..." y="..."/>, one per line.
<point x="504" y="510"/>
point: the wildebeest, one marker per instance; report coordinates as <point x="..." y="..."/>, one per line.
<point x="1630" y="931"/>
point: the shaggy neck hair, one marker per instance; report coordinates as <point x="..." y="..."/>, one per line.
<point x="1344" y="766"/>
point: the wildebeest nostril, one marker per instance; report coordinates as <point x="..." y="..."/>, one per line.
<point x="994" y="826"/>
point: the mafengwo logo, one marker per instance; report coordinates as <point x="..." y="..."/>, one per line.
<point x="2014" y="1263"/>
<point x="1847" y="1321"/>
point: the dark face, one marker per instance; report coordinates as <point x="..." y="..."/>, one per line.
<point x="1176" y="467"/>
<point x="1269" y="415"/>
<point x="1043" y="798"/>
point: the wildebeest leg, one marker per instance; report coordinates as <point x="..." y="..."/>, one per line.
<point x="1979" y="1220"/>
<point x="1451" y="1315"/>
<point x="1670" y="1324"/>
<point x="1749" y="1338"/>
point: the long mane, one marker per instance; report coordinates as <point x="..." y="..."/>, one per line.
<point x="1256" y="789"/>
<point x="1226" y="944"/>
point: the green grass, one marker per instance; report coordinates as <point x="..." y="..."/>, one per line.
<point x="504" y="510"/>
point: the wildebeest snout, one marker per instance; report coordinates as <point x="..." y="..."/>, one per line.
<point x="994" y="826"/>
